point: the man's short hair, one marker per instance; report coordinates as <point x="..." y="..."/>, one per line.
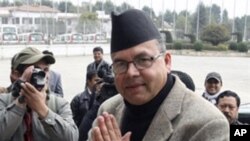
<point x="48" y="52"/>
<point x="98" y="49"/>
<point x="29" y="56"/>
<point x="91" y="74"/>
<point x="229" y="93"/>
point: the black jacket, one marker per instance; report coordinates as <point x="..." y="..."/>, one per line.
<point x="79" y="106"/>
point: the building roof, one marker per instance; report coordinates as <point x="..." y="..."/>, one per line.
<point x="30" y="8"/>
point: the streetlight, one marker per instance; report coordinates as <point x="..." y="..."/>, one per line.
<point x="162" y="17"/>
<point x="186" y="17"/>
<point x="198" y="21"/>
<point x="245" y="25"/>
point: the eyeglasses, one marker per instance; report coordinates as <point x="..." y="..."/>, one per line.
<point x="141" y="62"/>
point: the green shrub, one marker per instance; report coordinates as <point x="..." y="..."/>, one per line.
<point x="169" y="45"/>
<point x="178" y="45"/>
<point x="233" y="46"/>
<point x="187" y="46"/>
<point x="222" y="47"/>
<point x="242" y="47"/>
<point x="215" y="34"/>
<point x="198" y="46"/>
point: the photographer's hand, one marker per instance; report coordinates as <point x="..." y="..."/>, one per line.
<point x="36" y="100"/>
<point x="27" y="74"/>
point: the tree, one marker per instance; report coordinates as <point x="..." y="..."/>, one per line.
<point x="168" y="16"/>
<point x="215" y="13"/>
<point x="87" y="23"/>
<point x="4" y="3"/>
<point x="203" y="18"/>
<point x="225" y="17"/>
<point x="47" y="3"/>
<point x="148" y="11"/>
<point x="98" y="6"/>
<point x="124" y="6"/>
<point x="18" y="3"/>
<point x="108" y="7"/>
<point x="215" y="34"/>
<point x="70" y="7"/>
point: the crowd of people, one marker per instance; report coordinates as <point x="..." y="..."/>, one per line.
<point x="137" y="97"/>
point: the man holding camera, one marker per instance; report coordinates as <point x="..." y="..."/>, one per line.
<point x="30" y="112"/>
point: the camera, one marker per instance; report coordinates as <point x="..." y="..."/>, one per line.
<point x="38" y="80"/>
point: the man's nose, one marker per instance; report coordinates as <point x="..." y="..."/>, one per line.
<point x="226" y="109"/>
<point x="132" y="70"/>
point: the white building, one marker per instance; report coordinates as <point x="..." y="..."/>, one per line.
<point x="31" y="18"/>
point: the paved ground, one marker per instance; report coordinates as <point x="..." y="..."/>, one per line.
<point x="235" y="72"/>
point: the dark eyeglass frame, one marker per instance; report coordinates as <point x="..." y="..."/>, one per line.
<point x="136" y="61"/>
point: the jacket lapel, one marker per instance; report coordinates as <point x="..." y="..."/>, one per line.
<point x="161" y="127"/>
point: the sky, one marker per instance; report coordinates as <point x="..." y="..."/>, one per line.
<point x="159" y="5"/>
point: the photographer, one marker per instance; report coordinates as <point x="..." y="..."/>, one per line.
<point x="106" y="91"/>
<point x="30" y="112"/>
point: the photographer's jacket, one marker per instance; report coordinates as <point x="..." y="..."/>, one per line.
<point x="57" y="126"/>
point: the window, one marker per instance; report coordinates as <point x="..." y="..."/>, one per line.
<point x="16" y="21"/>
<point x="37" y="20"/>
<point x="4" y="20"/>
<point x="27" y="21"/>
<point x="69" y="22"/>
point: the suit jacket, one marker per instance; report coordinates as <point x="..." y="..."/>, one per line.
<point x="55" y="83"/>
<point x="183" y="116"/>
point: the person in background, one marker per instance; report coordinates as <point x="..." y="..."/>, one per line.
<point x="55" y="81"/>
<point x="13" y="77"/>
<point x="30" y="112"/>
<point x="99" y="65"/>
<point x="213" y="85"/>
<point x="80" y="104"/>
<point x="152" y="104"/>
<point x="229" y="102"/>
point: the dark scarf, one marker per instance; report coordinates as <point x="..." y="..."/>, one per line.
<point x="138" y="118"/>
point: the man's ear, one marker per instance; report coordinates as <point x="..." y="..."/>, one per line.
<point x="168" y="61"/>
<point x="15" y="75"/>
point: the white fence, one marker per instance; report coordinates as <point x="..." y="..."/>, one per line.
<point x="7" y="51"/>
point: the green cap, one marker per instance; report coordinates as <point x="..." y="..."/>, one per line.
<point x="30" y="55"/>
